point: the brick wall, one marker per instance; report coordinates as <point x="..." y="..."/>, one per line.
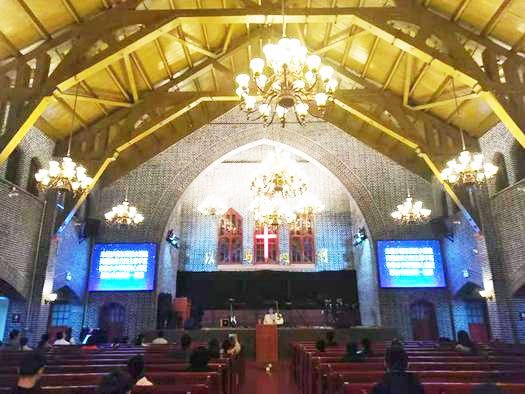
<point x="375" y="183"/>
<point x="230" y="181"/>
<point x="508" y="213"/>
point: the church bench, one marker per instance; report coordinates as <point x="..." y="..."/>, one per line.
<point x="336" y="380"/>
<point x="92" y="389"/>
<point x="438" y="388"/>
<point x="212" y="379"/>
<point x="321" y="372"/>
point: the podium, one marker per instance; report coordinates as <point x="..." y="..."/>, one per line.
<point x="266" y="346"/>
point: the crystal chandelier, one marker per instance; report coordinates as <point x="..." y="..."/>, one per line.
<point x="66" y="174"/>
<point x="272" y="212"/>
<point x="307" y="207"/>
<point x="411" y="212"/>
<point x="212" y="206"/>
<point x="468" y="168"/>
<point x="123" y="214"/>
<point x="279" y="176"/>
<point x="288" y="80"/>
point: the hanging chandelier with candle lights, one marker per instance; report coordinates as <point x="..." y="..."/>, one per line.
<point x="279" y="175"/>
<point x="64" y="174"/>
<point x="124" y="214"/>
<point x="289" y="80"/>
<point x="272" y="211"/>
<point x="307" y="206"/>
<point x="212" y="206"/>
<point x="411" y="212"/>
<point x="468" y="169"/>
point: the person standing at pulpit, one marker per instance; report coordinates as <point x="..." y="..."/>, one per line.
<point x="270" y="318"/>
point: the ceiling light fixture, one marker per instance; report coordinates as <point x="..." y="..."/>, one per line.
<point x="468" y="168"/>
<point x="66" y="174"/>
<point x="289" y="80"/>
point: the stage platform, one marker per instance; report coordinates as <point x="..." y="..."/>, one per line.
<point x="286" y="336"/>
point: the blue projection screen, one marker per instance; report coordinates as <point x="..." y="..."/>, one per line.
<point x="123" y="267"/>
<point x="410" y="264"/>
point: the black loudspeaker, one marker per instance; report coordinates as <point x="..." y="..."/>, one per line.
<point x="440" y="229"/>
<point x="91" y="227"/>
<point x="164" y="310"/>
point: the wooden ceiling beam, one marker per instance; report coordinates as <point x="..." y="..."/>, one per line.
<point x="394" y="134"/>
<point x="192" y="101"/>
<point x="375" y="20"/>
<point x="495" y="18"/>
<point x="191" y="45"/>
<point x="13" y="50"/>
<point x="152" y="99"/>
<point x="96" y="100"/>
<point x="70" y="8"/>
<point x="456" y="15"/>
<point x="34" y="20"/>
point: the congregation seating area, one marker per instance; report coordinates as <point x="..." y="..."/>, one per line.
<point x="441" y="370"/>
<point x="71" y="369"/>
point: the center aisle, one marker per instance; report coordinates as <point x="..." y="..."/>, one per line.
<point x="279" y="381"/>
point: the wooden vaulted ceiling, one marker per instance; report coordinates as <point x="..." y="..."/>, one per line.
<point x="147" y="73"/>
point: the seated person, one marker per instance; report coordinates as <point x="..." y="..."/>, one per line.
<point x="396" y="380"/>
<point x="214" y="348"/>
<point x="91" y="343"/>
<point x="352" y="355"/>
<point x="184" y="352"/>
<point x="44" y="344"/>
<point x="30" y="371"/>
<point x="60" y="341"/>
<point x="270" y="318"/>
<point x="366" y="348"/>
<point x="199" y="360"/>
<point x="136" y="371"/>
<point x="115" y="382"/>
<point x="320" y="345"/>
<point x="225" y="347"/>
<point x="160" y="340"/>
<point x="69" y="336"/>
<point x="236" y="347"/>
<point x="330" y="339"/>
<point x="465" y="345"/>
<point x="12" y="342"/>
<point x="24" y="346"/>
<point x="139" y="340"/>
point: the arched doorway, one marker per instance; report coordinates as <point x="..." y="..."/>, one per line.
<point x="423" y="319"/>
<point x="111" y="319"/>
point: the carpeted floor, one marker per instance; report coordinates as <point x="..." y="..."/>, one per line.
<point x="278" y="381"/>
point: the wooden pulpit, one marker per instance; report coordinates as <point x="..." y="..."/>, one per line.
<point x="266" y="343"/>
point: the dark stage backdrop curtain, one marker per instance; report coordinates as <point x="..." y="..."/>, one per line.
<point x="304" y="290"/>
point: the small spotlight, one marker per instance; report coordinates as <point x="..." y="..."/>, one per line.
<point x="456" y="222"/>
<point x="475" y="251"/>
<point x="13" y="193"/>
<point x="69" y="276"/>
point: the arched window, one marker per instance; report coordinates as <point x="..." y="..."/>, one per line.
<point x="517" y="155"/>
<point x="12" y="171"/>
<point x="230" y="238"/>
<point x="302" y="246"/>
<point x="32" y="184"/>
<point x="502" y="178"/>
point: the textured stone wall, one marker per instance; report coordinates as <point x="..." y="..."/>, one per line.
<point x="507" y="207"/>
<point x="376" y="183"/>
<point x="230" y="181"/>
<point x="20" y="215"/>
